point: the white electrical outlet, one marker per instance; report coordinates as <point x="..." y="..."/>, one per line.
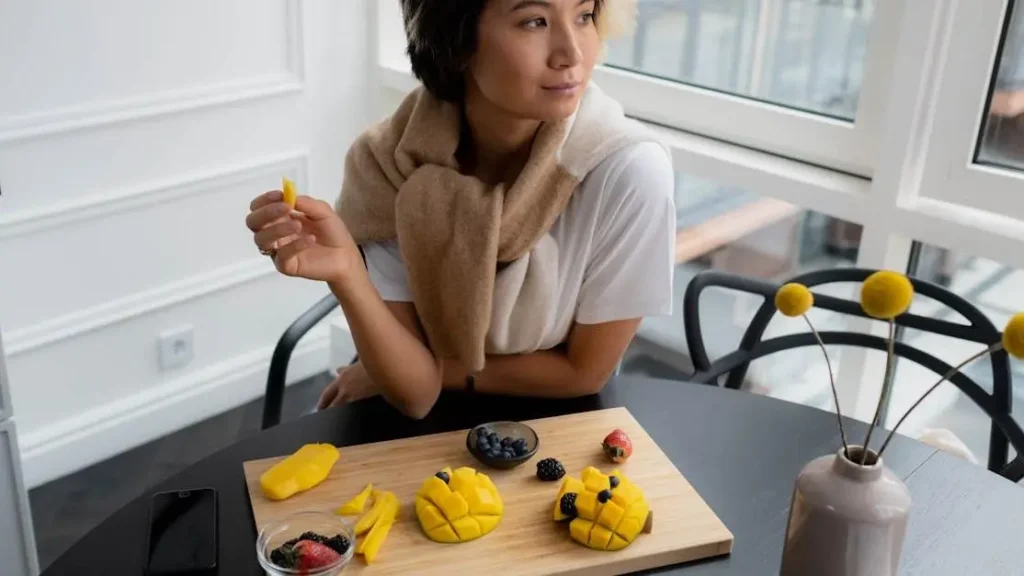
<point x="176" y="348"/>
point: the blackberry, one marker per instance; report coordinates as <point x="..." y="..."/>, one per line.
<point x="550" y="469"/>
<point x="442" y="475"/>
<point x="613" y="481"/>
<point x="604" y="496"/>
<point x="338" y="543"/>
<point x="568" y="504"/>
<point x="314" y="537"/>
<point x="280" y="558"/>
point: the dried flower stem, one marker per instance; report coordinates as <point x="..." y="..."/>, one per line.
<point x="886" y="385"/>
<point x="990" y="349"/>
<point x="835" y="394"/>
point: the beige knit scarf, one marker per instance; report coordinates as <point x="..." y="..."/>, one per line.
<point x="402" y="181"/>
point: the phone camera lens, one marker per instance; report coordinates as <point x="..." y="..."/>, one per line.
<point x="184" y="494"/>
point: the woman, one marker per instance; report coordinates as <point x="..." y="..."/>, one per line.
<point x="516" y="226"/>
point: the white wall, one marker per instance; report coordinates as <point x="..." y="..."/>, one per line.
<point x="132" y="137"/>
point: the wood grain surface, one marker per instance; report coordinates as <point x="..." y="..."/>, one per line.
<point x="526" y="541"/>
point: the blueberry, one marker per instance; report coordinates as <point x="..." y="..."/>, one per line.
<point x="443" y="476"/>
<point x="493" y="438"/>
<point x="613" y="481"/>
<point x="506" y="442"/>
<point x="494" y="453"/>
<point x="604" y="496"/>
<point x="481" y="432"/>
<point x="520" y="449"/>
<point x="520" y="442"/>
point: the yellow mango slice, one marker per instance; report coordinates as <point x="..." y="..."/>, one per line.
<point x="587" y="506"/>
<point x="611" y="515"/>
<point x="356" y="504"/>
<point x="430" y="517"/>
<point x="580" y="529"/>
<point x="443" y="533"/>
<point x="467" y="528"/>
<point x="588" y="472"/>
<point x="570" y="484"/>
<point x="462" y="479"/>
<point x="487" y="523"/>
<point x="610" y="525"/>
<point x="373" y="541"/>
<point x="303" y="470"/>
<point x="454" y="506"/>
<point x="600" y="537"/>
<point x="435" y="490"/>
<point x="288" y="190"/>
<point x="386" y="507"/>
<point x="464" y="508"/>
<point x="617" y="543"/>
<point x="597" y="482"/>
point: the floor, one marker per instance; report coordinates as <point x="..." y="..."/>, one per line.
<point x="66" y="509"/>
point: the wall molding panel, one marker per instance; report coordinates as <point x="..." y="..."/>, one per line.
<point x="134" y="108"/>
<point x="72" y="444"/>
<point x="65" y="213"/>
<point x="94" y="318"/>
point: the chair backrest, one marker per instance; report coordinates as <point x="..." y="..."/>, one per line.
<point x="997" y="405"/>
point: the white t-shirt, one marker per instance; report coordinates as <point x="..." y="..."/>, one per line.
<point x="615" y="246"/>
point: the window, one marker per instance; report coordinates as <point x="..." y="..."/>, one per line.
<point x="1002" y="137"/>
<point x="805" y="55"/>
<point x="727" y="228"/>
<point x="978" y="99"/>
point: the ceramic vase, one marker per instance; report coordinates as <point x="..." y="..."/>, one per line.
<point x="846" y="519"/>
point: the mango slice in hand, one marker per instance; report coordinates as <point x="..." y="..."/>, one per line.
<point x="303" y="470"/>
<point x="356" y="504"/>
<point x="288" y="188"/>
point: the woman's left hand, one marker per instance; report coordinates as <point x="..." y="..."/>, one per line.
<point x="352" y="383"/>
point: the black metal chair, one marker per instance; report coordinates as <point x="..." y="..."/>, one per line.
<point x="273" y="398"/>
<point x="733" y="366"/>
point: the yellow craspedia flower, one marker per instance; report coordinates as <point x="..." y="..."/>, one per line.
<point x="1013" y="336"/>
<point x="794" y="299"/>
<point x="886" y="294"/>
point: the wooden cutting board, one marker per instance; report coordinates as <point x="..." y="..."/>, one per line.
<point x="527" y="541"/>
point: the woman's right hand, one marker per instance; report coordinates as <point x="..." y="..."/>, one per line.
<point x="308" y="242"/>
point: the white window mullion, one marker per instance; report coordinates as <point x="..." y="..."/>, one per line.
<point x="907" y="118"/>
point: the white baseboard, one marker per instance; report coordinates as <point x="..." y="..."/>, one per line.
<point x="98" y="434"/>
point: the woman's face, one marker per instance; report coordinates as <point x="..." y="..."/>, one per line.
<point x="534" y="57"/>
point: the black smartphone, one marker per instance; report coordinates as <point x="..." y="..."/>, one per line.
<point x="182" y="533"/>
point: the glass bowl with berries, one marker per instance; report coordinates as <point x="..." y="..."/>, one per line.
<point x="311" y="543"/>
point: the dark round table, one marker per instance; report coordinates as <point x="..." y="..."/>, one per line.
<point x="740" y="451"/>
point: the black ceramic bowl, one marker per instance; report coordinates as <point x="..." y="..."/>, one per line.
<point x="514" y="430"/>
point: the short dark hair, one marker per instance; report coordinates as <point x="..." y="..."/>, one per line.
<point x="442" y="35"/>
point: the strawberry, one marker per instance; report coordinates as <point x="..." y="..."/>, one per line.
<point x="617" y="446"/>
<point x="310" y="555"/>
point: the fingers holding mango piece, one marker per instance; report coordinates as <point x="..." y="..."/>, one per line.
<point x="275" y="235"/>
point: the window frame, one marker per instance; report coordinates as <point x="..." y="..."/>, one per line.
<point x="765" y="125"/>
<point x="953" y="176"/>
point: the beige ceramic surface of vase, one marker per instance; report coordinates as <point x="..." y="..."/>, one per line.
<point x="845" y="519"/>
